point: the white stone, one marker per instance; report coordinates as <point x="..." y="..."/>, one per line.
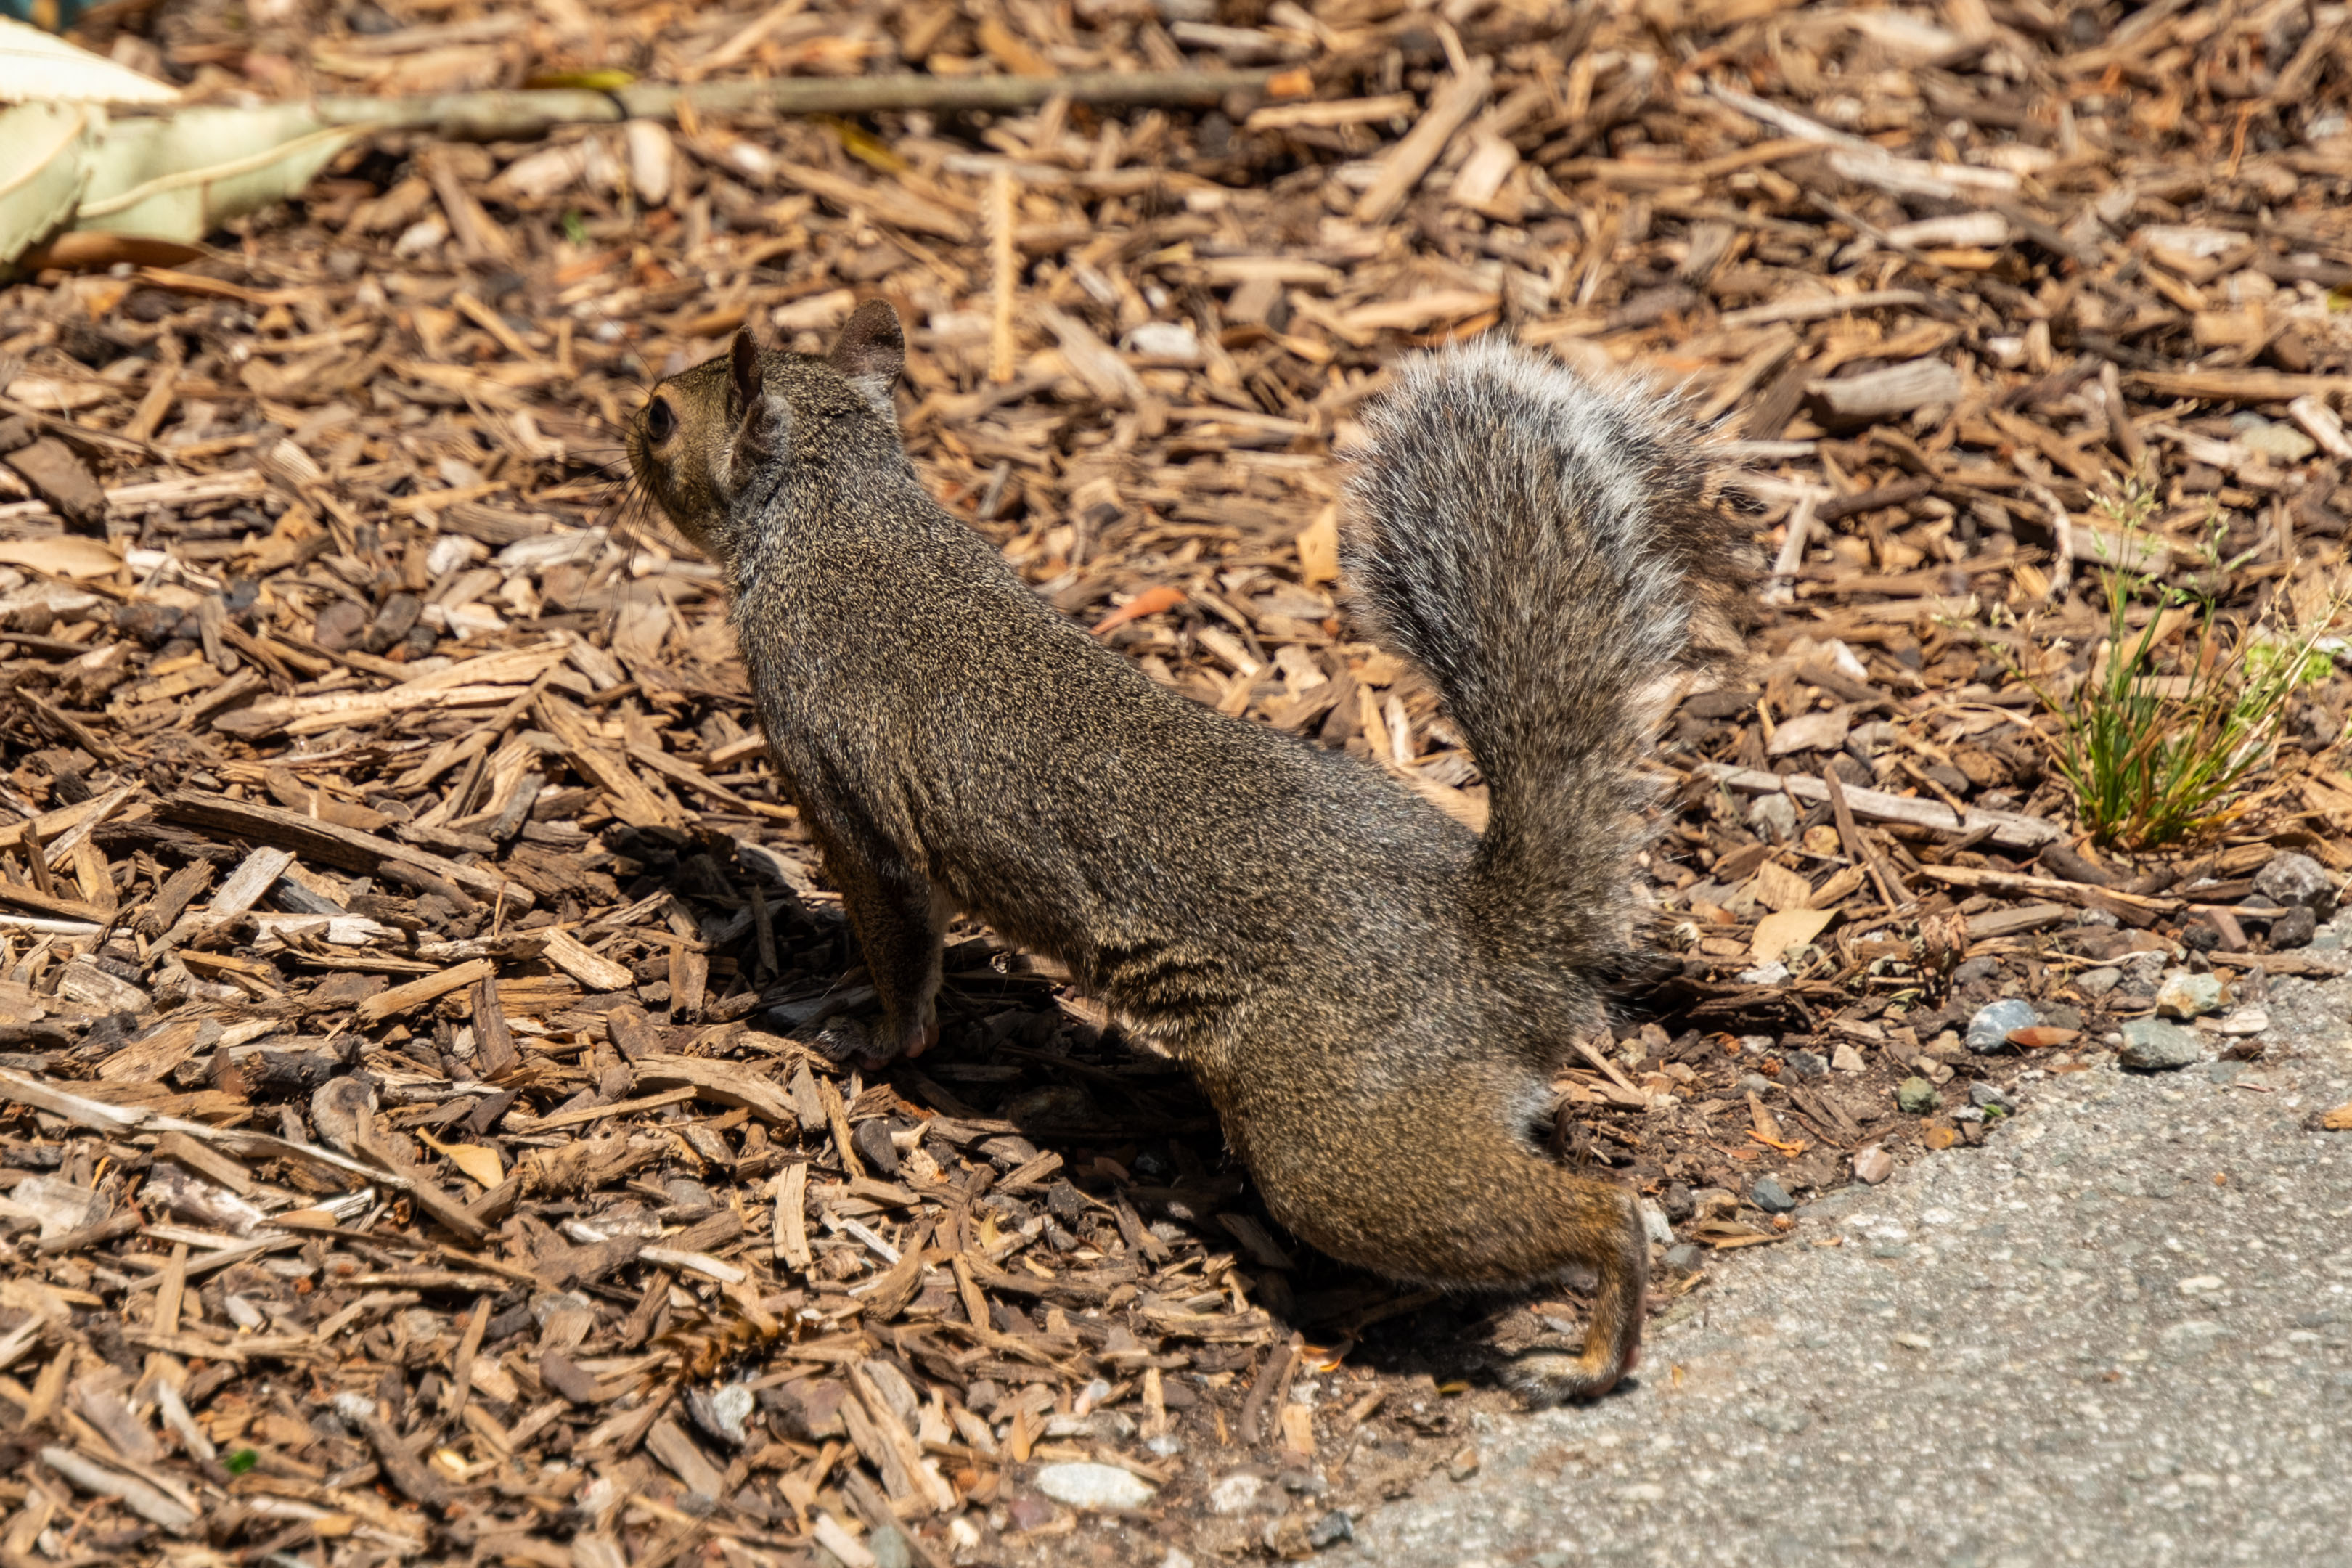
<point x="1103" y="1488"/>
<point x="1170" y="341"/>
<point x="1235" y="1493"/>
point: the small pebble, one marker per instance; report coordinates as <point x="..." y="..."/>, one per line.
<point x="1029" y="1510"/>
<point x="1807" y="1064"/>
<point x="1331" y="1528"/>
<point x="1989" y="1031"/>
<point x="1103" y="1488"/>
<point x="2143" y="972"/>
<point x="1165" y="341"/>
<point x="891" y="1549"/>
<point x="1872" y="1166"/>
<point x="1110" y="1427"/>
<point x="2097" y="982"/>
<point x="1235" y="1493"/>
<point x="1914" y="1097"/>
<point x="723" y="1411"/>
<point x="2282" y="441"/>
<point x="1684" y="1256"/>
<point x="1772" y="1197"/>
<point x="1846" y="1058"/>
<point x="1983" y="1095"/>
<point x="340" y="626"/>
<point x="2151" y="1044"/>
<point x="2244" y="1021"/>
<point x="2296" y="928"/>
<point x="1774" y="817"/>
<point x="2191" y="995"/>
<point x="2298" y="881"/>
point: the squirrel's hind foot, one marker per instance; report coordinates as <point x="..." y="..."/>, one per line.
<point x="1547" y="1377"/>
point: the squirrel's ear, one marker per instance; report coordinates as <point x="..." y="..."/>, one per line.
<point x="870" y="352"/>
<point x="766" y="418"/>
<point x="744" y="368"/>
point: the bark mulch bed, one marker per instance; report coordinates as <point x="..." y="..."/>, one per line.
<point x="422" y="1135"/>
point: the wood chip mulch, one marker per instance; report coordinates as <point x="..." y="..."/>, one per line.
<point x="422" y="1134"/>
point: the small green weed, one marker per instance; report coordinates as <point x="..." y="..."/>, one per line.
<point x="2161" y="747"/>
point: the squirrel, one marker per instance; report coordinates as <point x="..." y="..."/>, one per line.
<point x="1375" y="998"/>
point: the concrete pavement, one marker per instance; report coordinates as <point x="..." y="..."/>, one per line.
<point x="2120" y="1333"/>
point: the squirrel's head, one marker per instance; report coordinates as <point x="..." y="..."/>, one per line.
<point x="707" y="435"/>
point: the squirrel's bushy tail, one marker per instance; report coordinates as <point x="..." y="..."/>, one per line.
<point x="1539" y="543"/>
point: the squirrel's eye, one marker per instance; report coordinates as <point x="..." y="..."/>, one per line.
<point x="660" y="421"/>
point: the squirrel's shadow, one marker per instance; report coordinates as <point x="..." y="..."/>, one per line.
<point x="1131" y="1128"/>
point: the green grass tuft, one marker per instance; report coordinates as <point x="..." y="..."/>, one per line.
<point x="2162" y="749"/>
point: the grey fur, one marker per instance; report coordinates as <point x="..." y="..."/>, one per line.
<point x="1373" y="998"/>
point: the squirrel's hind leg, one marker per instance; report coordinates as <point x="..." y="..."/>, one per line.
<point x="900" y="920"/>
<point x="1618" y="1248"/>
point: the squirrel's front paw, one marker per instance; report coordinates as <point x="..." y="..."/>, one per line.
<point x="902" y="1035"/>
<point x="853" y="1040"/>
<point x="875" y="1045"/>
<point x="922" y="1037"/>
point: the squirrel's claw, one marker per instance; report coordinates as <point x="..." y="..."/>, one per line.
<point x="923" y="1039"/>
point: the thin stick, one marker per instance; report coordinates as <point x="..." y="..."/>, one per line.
<point x="525" y="115"/>
<point x="1004" y="270"/>
<point x="1857" y="847"/>
<point x="2062" y="526"/>
<point x="1782" y="588"/>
